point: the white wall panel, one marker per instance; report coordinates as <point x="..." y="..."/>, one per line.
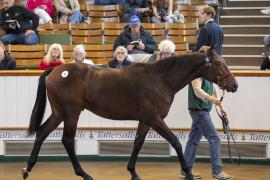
<point x="247" y="108"/>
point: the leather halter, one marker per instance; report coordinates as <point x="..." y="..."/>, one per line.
<point x="221" y="83"/>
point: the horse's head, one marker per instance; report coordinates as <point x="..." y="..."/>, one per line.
<point x="217" y="71"/>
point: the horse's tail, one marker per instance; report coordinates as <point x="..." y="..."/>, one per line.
<point x="40" y="104"/>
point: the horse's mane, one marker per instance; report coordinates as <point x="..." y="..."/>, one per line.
<point x="167" y="64"/>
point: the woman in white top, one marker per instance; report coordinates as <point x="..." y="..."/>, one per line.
<point x="79" y="55"/>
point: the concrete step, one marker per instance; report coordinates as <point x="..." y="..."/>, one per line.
<point x="230" y="49"/>
<point x="243" y="39"/>
<point x="249" y="3"/>
<point x="241" y="11"/>
<point x="243" y="62"/>
<point x="244" y="20"/>
<point x="246" y="29"/>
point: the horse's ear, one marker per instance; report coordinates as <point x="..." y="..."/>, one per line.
<point x="213" y="47"/>
<point x="204" y="49"/>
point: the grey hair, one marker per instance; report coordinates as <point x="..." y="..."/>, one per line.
<point x="166" y="46"/>
<point x="120" y="48"/>
<point x="79" y="49"/>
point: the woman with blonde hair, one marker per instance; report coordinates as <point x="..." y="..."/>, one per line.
<point x="54" y="57"/>
<point x="166" y="49"/>
<point x="79" y="55"/>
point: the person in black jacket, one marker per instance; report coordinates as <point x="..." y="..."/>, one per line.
<point x="120" y="58"/>
<point x="19" y="23"/>
<point x="139" y="42"/>
<point x="6" y="61"/>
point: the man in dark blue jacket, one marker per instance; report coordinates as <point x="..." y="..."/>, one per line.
<point x="19" y="23"/>
<point x="139" y="42"/>
<point x="211" y="33"/>
<point x="136" y="7"/>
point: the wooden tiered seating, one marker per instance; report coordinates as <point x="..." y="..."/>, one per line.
<point x="158" y="31"/>
<point x="99" y="53"/>
<point x="27" y="56"/>
<point x="182" y="33"/>
<point x="111" y="31"/>
<point x="181" y="48"/>
<point x="86" y="33"/>
<point x="108" y="13"/>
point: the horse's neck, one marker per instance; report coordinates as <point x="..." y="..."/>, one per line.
<point x="184" y="72"/>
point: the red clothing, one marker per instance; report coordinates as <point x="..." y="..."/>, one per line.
<point x="33" y="4"/>
<point x="44" y="66"/>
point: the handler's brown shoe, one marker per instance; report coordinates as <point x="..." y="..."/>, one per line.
<point x="196" y="175"/>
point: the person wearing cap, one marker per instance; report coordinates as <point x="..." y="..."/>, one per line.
<point x="136" y="7"/>
<point x="266" y="53"/>
<point x="166" y="48"/>
<point x="139" y="42"/>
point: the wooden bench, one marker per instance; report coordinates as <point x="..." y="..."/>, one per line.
<point x="27" y="56"/>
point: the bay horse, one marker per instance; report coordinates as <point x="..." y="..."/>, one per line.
<point x="141" y="92"/>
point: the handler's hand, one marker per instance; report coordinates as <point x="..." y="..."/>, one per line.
<point x="216" y="101"/>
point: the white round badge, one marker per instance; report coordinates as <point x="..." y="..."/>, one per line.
<point x="64" y="74"/>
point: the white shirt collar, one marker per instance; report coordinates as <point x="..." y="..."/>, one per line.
<point x="209" y="20"/>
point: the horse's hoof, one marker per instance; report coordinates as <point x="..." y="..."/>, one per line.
<point x="136" y="178"/>
<point x="88" y="178"/>
<point x="25" y="173"/>
<point x="189" y="177"/>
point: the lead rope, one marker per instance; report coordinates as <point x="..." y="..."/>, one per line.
<point x="227" y="131"/>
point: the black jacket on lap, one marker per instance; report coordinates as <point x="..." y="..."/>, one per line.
<point x="26" y="19"/>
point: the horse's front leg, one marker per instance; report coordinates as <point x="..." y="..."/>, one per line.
<point x="160" y="127"/>
<point x="140" y="137"/>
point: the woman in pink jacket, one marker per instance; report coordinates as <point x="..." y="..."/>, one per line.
<point x="43" y="8"/>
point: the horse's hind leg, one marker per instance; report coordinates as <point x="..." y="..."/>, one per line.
<point x="42" y="132"/>
<point x="160" y="127"/>
<point x="70" y="126"/>
<point x="140" y="137"/>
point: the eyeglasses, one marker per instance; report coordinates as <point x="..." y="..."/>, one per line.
<point x="120" y="53"/>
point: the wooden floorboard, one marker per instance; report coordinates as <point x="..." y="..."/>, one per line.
<point x="117" y="171"/>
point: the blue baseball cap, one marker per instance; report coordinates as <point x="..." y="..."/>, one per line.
<point x="134" y="20"/>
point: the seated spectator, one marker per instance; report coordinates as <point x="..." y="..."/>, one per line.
<point x="19" y="23"/>
<point x="79" y="55"/>
<point x="69" y="11"/>
<point x="266" y="54"/>
<point x="108" y="2"/>
<point x="120" y="58"/>
<point x="6" y="61"/>
<point x="136" y="7"/>
<point x="43" y="8"/>
<point x="266" y="11"/>
<point x="162" y="14"/>
<point x="54" y="57"/>
<point x="166" y="49"/>
<point x="139" y="42"/>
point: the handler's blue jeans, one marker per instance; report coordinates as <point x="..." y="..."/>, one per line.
<point x="202" y="125"/>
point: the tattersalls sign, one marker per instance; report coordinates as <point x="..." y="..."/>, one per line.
<point x="129" y="135"/>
